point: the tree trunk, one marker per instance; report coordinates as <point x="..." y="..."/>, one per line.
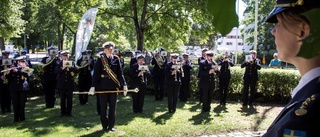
<point x="2" y="43"/>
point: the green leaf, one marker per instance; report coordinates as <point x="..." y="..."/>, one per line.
<point x="225" y="17"/>
<point x="310" y="45"/>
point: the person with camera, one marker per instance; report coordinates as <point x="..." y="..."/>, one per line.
<point x="224" y="77"/>
<point x="295" y="30"/>
<point x="250" y="78"/>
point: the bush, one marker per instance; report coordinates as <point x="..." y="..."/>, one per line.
<point x="274" y="85"/>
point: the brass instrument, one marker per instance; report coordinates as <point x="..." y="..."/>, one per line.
<point x="5" y="80"/>
<point x="143" y="69"/>
<point x="159" y="59"/>
<point x="48" y="62"/>
<point x="176" y="67"/>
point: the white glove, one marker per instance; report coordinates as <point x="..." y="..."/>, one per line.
<point x="91" y="91"/>
<point x="125" y="88"/>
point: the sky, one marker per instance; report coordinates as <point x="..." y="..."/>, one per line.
<point x="242" y="7"/>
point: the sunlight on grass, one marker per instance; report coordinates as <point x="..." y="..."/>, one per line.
<point x="155" y="121"/>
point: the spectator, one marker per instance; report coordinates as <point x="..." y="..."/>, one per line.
<point x="275" y="62"/>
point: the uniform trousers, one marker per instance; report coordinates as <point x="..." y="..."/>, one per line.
<point x="49" y="88"/>
<point x="184" y="90"/>
<point x="159" y="88"/>
<point x="5" y="98"/>
<point x="138" y="98"/>
<point x="223" y="87"/>
<point x="172" y="91"/>
<point x="66" y="101"/>
<point x="108" y="118"/>
<point x="252" y="84"/>
<point x="207" y="95"/>
<point x="19" y="102"/>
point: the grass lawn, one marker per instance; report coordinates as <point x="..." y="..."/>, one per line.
<point x="155" y="121"/>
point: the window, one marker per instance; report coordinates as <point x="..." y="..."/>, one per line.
<point x="219" y="43"/>
<point x="229" y="43"/>
<point x="240" y="43"/>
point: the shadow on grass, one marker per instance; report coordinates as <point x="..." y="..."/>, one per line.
<point x="220" y="109"/>
<point x="248" y="111"/>
<point x="260" y="119"/>
<point x="201" y="118"/>
<point x="161" y="119"/>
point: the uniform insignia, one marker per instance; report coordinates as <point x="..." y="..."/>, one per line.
<point x="72" y="74"/>
<point x="294" y="133"/>
<point x="303" y="108"/>
<point x="22" y="77"/>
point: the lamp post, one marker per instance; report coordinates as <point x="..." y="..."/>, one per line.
<point x="26" y="36"/>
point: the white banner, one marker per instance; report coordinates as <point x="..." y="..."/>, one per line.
<point x="84" y="30"/>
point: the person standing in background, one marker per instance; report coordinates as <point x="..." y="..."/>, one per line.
<point x="85" y="66"/>
<point x="65" y="83"/>
<point x="250" y="79"/>
<point x="275" y="62"/>
<point x="185" y="78"/>
<point x="5" y="97"/>
<point x="224" y="77"/>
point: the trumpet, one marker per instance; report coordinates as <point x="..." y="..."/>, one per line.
<point x="176" y="67"/>
<point x="159" y="60"/>
<point x="143" y="69"/>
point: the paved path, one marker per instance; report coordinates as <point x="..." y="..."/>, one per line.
<point x="238" y="134"/>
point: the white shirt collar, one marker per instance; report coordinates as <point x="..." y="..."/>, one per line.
<point x="306" y="78"/>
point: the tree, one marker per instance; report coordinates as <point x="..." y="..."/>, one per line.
<point x="11" y="24"/>
<point x="265" y="39"/>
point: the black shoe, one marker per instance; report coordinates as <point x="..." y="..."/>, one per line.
<point x="112" y="130"/>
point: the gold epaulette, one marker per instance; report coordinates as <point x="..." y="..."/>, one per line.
<point x="303" y="108"/>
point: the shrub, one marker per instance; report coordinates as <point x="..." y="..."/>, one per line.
<point x="274" y="85"/>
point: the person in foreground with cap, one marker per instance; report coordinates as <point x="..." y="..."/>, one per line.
<point x="275" y="62"/>
<point x="250" y="79"/>
<point x="138" y="79"/>
<point x="49" y="80"/>
<point x="300" y="117"/>
<point x="173" y="82"/>
<point x="18" y="85"/>
<point x="207" y="70"/>
<point x="85" y="66"/>
<point x="108" y="76"/>
<point x="185" y="78"/>
<point x="65" y="72"/>
<point x="4" y="87"/>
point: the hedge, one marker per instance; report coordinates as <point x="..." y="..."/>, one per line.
<point x="274" y="85"/>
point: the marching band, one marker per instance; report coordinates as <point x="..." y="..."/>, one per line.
<point x="104" y="77"/>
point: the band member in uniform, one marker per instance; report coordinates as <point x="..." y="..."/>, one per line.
<point x="185" y="78"/>
<point x="85" y="66"/>
<point x="159" y="63"/>
<point x="18" y="85"/>
<point x="108" y="76"/>
<point x="201" y="59"/>
<point x="250" y="78"/>
<point x="292" y="31"/>
<point x="224" y="77"/>
<point x="139" y="80"/>
<point x="49" y="80"/>
<point x="28" y="62"/>
<point x="134" y="59"/>
<point x="65" y="71"/>
<point x="4" y="87"/>
<point x="208" y="70"/>
<point x="173" y="82"/>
